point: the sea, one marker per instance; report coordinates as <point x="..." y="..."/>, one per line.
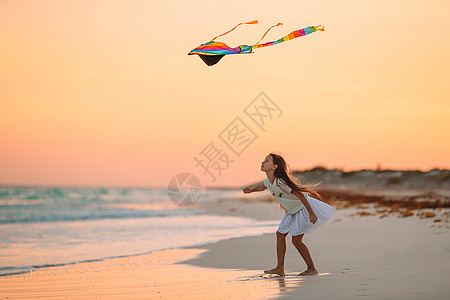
<point x="53" y="226"/>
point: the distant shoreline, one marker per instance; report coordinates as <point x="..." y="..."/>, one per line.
<point x="373" y="181"/>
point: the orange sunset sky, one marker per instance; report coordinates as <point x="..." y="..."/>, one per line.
<point x="103" y="93"/>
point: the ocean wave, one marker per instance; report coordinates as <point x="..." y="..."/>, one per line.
<point x="47" y="204"/>
<point x="43" y="217"/>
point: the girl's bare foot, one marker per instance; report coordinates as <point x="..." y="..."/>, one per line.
<point x="309" y="272"/>
<point x="276" y="271"/>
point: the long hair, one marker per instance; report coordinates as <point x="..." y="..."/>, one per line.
<point x="283" y="172"/>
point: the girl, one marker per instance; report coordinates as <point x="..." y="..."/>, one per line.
<point x="303" y="214"/>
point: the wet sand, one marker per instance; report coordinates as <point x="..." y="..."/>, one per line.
<point x="151" y="276"/>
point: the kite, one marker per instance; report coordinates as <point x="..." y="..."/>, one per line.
<point x="212" y="51"/>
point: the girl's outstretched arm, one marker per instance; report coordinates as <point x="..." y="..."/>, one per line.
<point x="312" y="215"/>
<point x="258" y="188"/>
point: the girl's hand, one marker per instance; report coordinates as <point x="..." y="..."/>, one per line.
<point x="246" y="190"/>
<point x="313" y="217"/>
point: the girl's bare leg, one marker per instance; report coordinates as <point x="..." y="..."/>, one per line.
<point x="304" y="252"/>
<point x="281" y="251"/>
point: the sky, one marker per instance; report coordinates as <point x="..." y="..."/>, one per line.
<point x="103" y="93"/>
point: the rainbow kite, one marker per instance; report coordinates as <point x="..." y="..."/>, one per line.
<point x="212" y="51"/>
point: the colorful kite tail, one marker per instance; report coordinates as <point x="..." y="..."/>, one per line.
<point x="251" y="22"/>
<point x="290" y="36"/>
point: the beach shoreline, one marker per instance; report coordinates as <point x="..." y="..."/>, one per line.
<point x="357" y="255"/>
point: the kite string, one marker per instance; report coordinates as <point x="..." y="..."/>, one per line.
<point x="251" y="22"/>
<point x="267" y="32"/>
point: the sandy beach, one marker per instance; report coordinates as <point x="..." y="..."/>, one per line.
<point x="357" y="255"/>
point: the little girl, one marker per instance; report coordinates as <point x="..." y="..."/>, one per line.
<point x="303" y="214"/>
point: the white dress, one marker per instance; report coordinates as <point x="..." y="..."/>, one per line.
<point x="296" y="219"/>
